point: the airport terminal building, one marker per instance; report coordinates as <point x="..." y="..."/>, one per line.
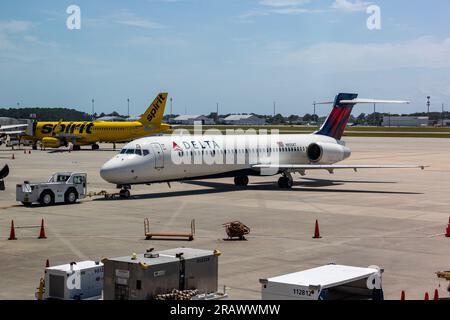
<point x="244" y="119"/>
<point x="191" y="119"/>
<point x="400" y="121"/>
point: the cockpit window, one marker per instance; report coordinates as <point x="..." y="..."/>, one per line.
<point x="146" y="152"/>
<point x="123" y="151"/>
<point x="138" y="152"/>
<point x="130" y="151"/>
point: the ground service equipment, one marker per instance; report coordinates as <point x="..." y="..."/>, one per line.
<point x="145" y="276"/>
<point x="62" y="187"/>
<point x="74" y="281"/>
<point x="330" y="282"/>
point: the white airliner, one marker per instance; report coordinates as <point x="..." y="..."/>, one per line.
<point x="186" y="157"/>
<point x="5" y="131"/>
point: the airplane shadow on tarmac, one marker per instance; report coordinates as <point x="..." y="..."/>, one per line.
<point x="311" y="186"/>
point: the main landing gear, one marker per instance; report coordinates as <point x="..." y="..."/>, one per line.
<point x="286" y="181"/>
<point x="95" y="146"/>
<point x="241" y="181"/>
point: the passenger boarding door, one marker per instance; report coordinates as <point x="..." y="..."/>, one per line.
<point x="159" y="155"/>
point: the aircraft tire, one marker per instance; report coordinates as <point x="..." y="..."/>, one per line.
<point x="285" y="183"/>
<point x="241" y="181"/>
<point x="125" y="194"/>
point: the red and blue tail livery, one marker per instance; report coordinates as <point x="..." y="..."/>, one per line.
<point x="336" y="122"/>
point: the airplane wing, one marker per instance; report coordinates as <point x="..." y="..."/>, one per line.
<point x="13" y="126"/>
<point x="330" y="168"/>
<point x="10" y="132"/>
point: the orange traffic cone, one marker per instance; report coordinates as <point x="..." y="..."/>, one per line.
<point x="447" y="234"/>
<point x="316" y="231"/>
<point x="427" y="297"/>
<point x="436" y="295"/>
<point x="42" y="233"/>
<point x="403" y="296"/>
<point x="12" y="233"/>
<point x="47" y="264"/>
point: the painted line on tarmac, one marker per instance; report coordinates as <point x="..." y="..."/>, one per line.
<point x="175" y="214"/>
<point x="68" y="244"/>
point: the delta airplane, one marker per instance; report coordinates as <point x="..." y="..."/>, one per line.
<point x="184" y="157"/>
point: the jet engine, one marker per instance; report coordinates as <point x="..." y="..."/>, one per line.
<point x="327" y="153"/>
<point x="52" y="142"/>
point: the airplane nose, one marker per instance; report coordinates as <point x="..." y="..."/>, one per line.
<point x="110" y="172"/>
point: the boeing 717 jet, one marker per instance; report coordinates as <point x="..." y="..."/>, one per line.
<point x="185" y="157"/>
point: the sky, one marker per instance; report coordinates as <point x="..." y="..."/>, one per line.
<point x="243" y="54"/>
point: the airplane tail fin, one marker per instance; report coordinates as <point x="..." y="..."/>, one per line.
<point x="343" y="105"/>
<point x="154" y="114"/>
<point x="336" y="122"/>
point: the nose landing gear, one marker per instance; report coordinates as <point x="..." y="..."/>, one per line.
<point x="124" y="192"/>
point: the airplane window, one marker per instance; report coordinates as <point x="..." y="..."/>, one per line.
<point x="138" y="152"/>
<point x="146" y="153"/>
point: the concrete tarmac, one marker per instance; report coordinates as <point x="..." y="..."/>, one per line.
<point x="391" y="218"/>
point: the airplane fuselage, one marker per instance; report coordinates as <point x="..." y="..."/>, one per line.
<point x="86" y="133"/>
<point x="174" y="158"/>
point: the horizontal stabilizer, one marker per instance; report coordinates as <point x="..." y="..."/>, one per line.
<point x="374" y="101"/>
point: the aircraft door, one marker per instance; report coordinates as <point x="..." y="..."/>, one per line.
<point x="159" y="155"/>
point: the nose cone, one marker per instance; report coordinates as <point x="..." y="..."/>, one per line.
<point x="112" y="172"/>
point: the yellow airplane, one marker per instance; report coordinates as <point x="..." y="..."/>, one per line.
<point x="57" y="134"/>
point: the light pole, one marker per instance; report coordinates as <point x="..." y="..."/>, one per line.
<point x="314" y="113"/>
<point x="274" y="108"/>
<point x="93" y="109"/>
<point x="375" y="114"/>
<point x="171" y="107"/>
<point x="428" y="105"/>
<point x="128" y="102"/>
<point x="443" y="115"/>
<point x="217" y="112"/>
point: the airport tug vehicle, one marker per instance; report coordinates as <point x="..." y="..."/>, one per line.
<point x="62" y="187"/>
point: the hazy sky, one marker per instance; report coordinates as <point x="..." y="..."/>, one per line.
<point x="244" y="54"/>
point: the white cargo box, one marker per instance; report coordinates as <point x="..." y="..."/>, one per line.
<point x="75" y="281"/>
<point x="330" y="282"/>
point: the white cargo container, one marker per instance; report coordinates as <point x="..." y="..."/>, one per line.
<point x="74" y="281"/>
<point x="330" y="282"/>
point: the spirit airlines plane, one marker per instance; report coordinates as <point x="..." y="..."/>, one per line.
<point x="175" y="158"/>
<point x="57" y="134"/>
